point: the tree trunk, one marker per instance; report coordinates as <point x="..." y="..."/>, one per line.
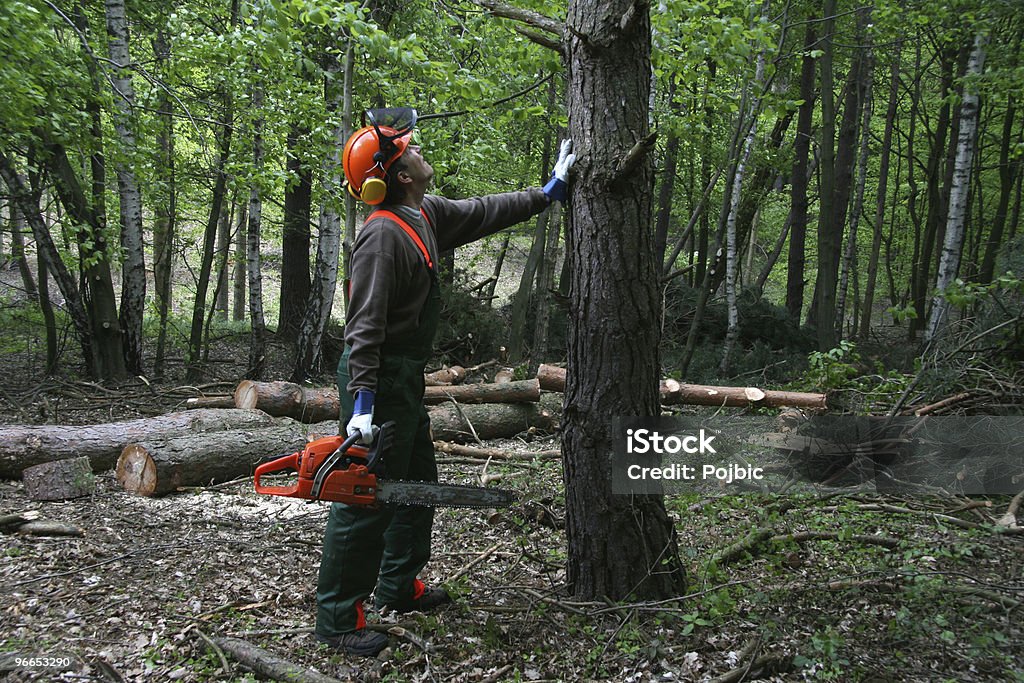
<point x="619" y="546"/>
<point x="18" y="252"/>
<point x="881" y="197"/>
<point x="865" y="82"/>
<point x="800" y="176"/>
<point x="325" y="279"/>
<point x="921" y="272"/>
<point x="295" y="240"/>
<point x="663" y="216"/>
<point x="165" y="212"/>
<point x="257" y="340"/>
<point x="154" y="467"/>
<point x="195" y="339"/>
<point x="732" y="255"/>
<point x="1007" y="178"/>
<point x="545" y="284"/>
<point x="238" y="306"/>
<point x="24" y="446"/>
<point x="49" y="320"/>
<point x="220" y="297"/>
<point x="953" y="241"/>
<point x="824" y="290"/>
<point x="525" y="293"/>
<point x="133" y="269"/>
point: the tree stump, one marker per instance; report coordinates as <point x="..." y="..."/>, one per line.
<point x="59" y="480"/>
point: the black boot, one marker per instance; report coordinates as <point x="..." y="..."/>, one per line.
<point x="362" y="643"/>
<point x="428" y="600"/>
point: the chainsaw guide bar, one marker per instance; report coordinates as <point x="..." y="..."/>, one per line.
<point x="338" y="470"/>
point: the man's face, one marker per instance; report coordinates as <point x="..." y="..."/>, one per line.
<point x="416" y="166"/>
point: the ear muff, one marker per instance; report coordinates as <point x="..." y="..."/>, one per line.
<point x="373" y="192"/>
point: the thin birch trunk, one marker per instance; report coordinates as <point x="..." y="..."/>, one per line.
<point x="958" y="196"/>
<point x="317" y="314"/>
<point x="257" y="342"/>
<point x="731" y="248"/>
<point x="133" y="270"/>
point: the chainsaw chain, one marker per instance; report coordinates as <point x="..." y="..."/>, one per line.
<point x="435" y="484"/>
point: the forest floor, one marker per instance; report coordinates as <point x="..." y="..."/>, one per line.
<point x="843" y="585"/>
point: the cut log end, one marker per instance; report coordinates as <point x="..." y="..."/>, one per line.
<point x="136" y="470"/>
<point x="246" y="394"/>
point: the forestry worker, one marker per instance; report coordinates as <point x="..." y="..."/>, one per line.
<point x="393" y="311"/>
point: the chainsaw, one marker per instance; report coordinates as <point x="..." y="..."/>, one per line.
<point x="339" y="470"/>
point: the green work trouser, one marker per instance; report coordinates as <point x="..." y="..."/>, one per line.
<point x="385" y="547"/>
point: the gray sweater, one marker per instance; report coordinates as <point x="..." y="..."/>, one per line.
<point x="389" y="278"/>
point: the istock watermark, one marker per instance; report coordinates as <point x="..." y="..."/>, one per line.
<point x="907" y="455"/>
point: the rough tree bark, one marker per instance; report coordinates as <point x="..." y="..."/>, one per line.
<point x="133" y="269"/>
<point x="958" y="196"/>
<point x="295" y="240"/>
<point x="619" y="546"/>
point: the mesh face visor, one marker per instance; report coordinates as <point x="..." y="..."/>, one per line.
<point x="401" y="120"/>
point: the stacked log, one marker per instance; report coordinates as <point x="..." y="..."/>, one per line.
<point x="23" y="446"/>
<point x="154" y="467"/>
<point x="674" y="393"/>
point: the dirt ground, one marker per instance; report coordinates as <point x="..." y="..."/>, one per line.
<point x="837" y="586"/>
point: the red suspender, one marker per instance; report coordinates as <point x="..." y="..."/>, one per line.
<point x="408" y="231"/>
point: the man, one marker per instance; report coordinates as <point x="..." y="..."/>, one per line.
<point x="394" y="306"/>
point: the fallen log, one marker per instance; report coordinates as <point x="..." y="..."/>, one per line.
<point x="445" y="376"/>
<point x="210" y="402"/>
<point x="270" y="665"/>
<point x="493" y="453"/>
<point x="451" y="422"/>
<point x="23" y="446"/>
<point x="286" y="399"/>
<point x="59" y="480"/>
<point x="154" y="467"/>
<point x="524" y="391"/>
<point x="676" y="393"/>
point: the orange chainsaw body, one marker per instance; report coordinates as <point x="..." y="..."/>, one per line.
<point x="351" y="482"/>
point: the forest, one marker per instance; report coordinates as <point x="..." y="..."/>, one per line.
<point x="815" y="205"/>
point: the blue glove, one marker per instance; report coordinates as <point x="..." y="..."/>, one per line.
<point x="362" y="417"/>
<point x="558" y="187"/>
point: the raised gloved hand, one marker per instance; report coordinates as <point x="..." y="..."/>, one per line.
<point x="362" y="417"/>
<point x="558" y="187"/>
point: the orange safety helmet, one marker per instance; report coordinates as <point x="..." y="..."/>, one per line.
<point x="371" y="150"/>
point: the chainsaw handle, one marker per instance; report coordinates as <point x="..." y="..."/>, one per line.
<point x="288" y="462"/>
